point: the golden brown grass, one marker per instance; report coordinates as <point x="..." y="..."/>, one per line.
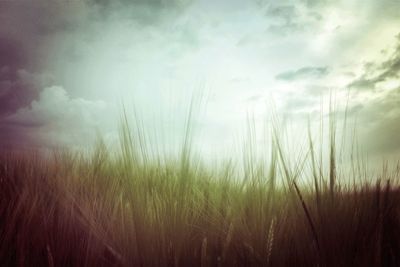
<point x="125" y="209"/>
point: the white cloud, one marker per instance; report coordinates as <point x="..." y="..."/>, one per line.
<point x="57" y="119"/>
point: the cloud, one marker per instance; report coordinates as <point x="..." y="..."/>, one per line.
<point x="42" y="42"/>
<point x="137" y="48"/>
<point x="27" y="30"/>
<point x="144" y="12"/>
<point x="303" y="73"/>
<point x="12" y="54"/>
<point x="154" y="4"/>
<point x="41" y="17"/>
<point x="375" y="72"/>
<point x="19" y="88"/>
<point x="53" y="119"/>
<point x="289" y="16"/>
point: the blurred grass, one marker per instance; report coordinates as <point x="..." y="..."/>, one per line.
<point x="129" y="208"/>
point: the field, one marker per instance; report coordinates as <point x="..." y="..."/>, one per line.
<point x="104" y="208"/>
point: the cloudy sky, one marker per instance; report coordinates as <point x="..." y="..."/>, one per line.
<point x="66" y="67"/>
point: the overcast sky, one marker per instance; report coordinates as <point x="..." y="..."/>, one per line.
<point x="66" y="67"/>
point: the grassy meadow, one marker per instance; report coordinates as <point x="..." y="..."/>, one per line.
<point x="126" y="208"/>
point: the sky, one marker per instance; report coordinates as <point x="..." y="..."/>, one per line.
<point x="68" y="67"/>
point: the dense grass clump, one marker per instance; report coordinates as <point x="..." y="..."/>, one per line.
<point x="130" y="209"/>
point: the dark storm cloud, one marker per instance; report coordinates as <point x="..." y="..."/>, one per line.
<point x="12" y="53"/>
<point x="32" y="34"/>
<point x="303" y="73"/>
<point x="55" y="117"/>
<point x="375" y="73"/>
<point x="18" y="88"/>
<point x="27" y="30"/>
<point x="26" y="27"/>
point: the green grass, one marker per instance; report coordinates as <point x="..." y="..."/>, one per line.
<point x="129" y="208"/>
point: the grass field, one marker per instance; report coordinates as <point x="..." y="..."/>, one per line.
<point x="128" y="209"/>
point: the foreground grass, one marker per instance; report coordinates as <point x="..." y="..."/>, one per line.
<point x="127" y="210"/>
